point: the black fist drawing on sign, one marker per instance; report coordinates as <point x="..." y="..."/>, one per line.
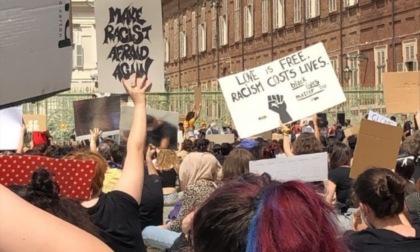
<point x="277" y="104"/>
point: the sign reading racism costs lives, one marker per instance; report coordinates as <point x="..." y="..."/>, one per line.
<point x="35" y="49"/>
<point x="285" y="90"/>
<point x="129" y="40"/>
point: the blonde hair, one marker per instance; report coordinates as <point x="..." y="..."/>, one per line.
<point x="101" y="167"/>
<point x="166" y="160"/>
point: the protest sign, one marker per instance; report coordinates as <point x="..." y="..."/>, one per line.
<point x="221" y="138"/>
<point x="264" y="135"/>
<point x="103" y="113"/>
<point x="35" y="49"/>
<point x="197" y="97"/>
<point x="377" y="146"/>
<point x="73" y="176"/>
<point x="353" y="130"/>
<point x="162" y="129"/>
<point x="376" y="117"/>
<point x="277" y="137"/>
<point x="129" y="40"/>
<point x="307" y="168"/>
<point x="289" y="89"/>
<point x="35" y="123"/>
<point x="10" y="128"/>
<point x="398" y="85"/>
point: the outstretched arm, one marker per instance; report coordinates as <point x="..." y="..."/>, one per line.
<point x="21" y="145"/>
<point x="94" y="136"/>
<point x="23" y="228"/>
<point x="131" y="180"/>
<point x="197" y="111"/>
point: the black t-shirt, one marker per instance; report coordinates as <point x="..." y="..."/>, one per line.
<point x="117" y="216"/>
<point x="383" y="240"/>
<point x="164" y="130"/>
<point x="151" y="205"/>
<point x="168" y="177"/>
<point x="340" y="176"/>
<point x="407" y="127"/>
<point x="416" y="174"/>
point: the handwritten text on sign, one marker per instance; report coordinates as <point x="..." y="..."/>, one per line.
<point x="289" y="89"/>
<point x="129" y="40"/>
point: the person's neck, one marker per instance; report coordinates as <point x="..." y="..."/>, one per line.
<point x="386" y="223"/>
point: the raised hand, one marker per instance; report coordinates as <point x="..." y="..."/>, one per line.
<point x="277" y="104"/>
<point x="137" y="88"/>
<point x="95" y="134"/>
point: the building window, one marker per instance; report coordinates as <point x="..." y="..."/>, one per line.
<point x="335" y="65"/>
<point x="223" y="25"/>
<point x="194" y="33"/>
<point x="249" y="19"/>
<point x="381" y="57"/>
<point x="297" y="11"/>
<point x="183" y="44"/>
<point x="332" y="5"/>
<point x="278" y="14"/>
<point x="77" y="48"/>
<point x="237" y="5"/>
<point x="213" y="27"/>
<point x="264" y="16"/>
<point x="166" y="50"/>
<point x="350" y="3"/>
<point x="312" y="9"/>
<point x="353" y="64"/>
<point x="409" y="55"/>
<point x="176" y="39"/>
<point x="202" y="32"/>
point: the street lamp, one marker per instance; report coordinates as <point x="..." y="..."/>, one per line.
<point x="347" y="71"/>
<point x="94" y="77"/>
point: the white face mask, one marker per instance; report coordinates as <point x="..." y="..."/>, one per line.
<point x="364" y="219"/>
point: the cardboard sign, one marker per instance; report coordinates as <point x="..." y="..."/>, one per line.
<point x="286" y="90"/>
<point x="376" y="117"/>
<point x="377" y="146"/>
<point x="10" y="128"/>
<point x="307" y="168"/>
<point x="103" y="113"/>
<point x="264" y="135"/>
<point x="129" y="39"/>
<point x="73" y="176"/>
<point x="402" y="92"/>
<point x="352" y="130"/>
<point x="161" y="125"/>
<point x="221" y="138"/>
<point x="197" y="96"/>
<point x="276" y="136"/>
<point x="35" y="38"/>
<point x="35" y="123"/>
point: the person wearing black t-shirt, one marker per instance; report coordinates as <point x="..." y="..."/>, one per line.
<point x="406" y="126"/>
<point x="380" y="194"/>
<point x="117" y="212"/>
<point x="161" y="134"/>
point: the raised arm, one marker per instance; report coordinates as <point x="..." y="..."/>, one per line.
<point x="316" y="128"/>
<point x="24" y="227"/>
<point x="21" y="145"/>
<point x="197" y="111"/>
<point x="286" y="141"/>
<point x="94" y="136"/>
<point x="131" y="180"/>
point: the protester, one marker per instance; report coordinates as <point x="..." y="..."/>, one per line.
<point x="255" y="213"/>
<point x="24" y="227"/>
<point x="212" y="130"/>
<point x="236" y="164"/>
<point x="191" y="118"/>
<point x="380" y="194"/>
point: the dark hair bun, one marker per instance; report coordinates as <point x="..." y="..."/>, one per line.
<point x="43" y="191"/>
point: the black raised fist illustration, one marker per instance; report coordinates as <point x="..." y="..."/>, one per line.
<point x="278" y="105"/>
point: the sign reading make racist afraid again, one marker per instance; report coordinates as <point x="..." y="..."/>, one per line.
<point x="285" y="90"/>
<point x="129" y="40"/>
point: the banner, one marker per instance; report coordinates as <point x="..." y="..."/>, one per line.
<point x="35" y="123"/>
<point x="307" y="168"/>
<point x="376" y="117"/>
<point x="10" y="128"/>
<point x="35" y="49"/>
<point x="286" y="90"/>
<point x="377" y="146"/>
<point x="398" y="85"/>
<point x="162" y="127"/>
<point x="73" y="176"/>
<point x="103" y="113"/>
<point x="129" y="39"/>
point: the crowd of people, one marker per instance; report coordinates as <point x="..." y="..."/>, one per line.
<point x="216" y="203"/>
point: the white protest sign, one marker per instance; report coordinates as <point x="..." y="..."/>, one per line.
<point x="10" y="128"/>
<point x="129" y="39"/>
<point x="376" y="117"/>
<point x="285" y="90"/>
<point x="35" y="49"/>
<point x="307" y="168"/>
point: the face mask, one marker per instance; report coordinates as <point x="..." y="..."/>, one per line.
<point x="364" y="219"/>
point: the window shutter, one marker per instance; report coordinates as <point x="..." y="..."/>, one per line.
<point x="80" y="58"/>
